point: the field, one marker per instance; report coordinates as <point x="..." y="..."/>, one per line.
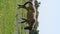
<point x="8" y="20"/>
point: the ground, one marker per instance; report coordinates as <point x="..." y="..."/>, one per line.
<point x="8" y="9"/>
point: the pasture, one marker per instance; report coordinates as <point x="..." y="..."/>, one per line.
<point x="8" y="9"/>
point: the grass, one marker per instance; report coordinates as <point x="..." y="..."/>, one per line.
<point x="8" y="9"/>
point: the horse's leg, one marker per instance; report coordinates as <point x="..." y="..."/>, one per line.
<point x="28" y="28"/>
<point x="22" y="6"/>
<point x="25" y="20"/>
<point x="28" y="2"/>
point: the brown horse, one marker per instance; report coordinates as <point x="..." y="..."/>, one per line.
<point x="31" y="15"/>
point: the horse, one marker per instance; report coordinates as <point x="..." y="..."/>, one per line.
<point x="31" y="15"/>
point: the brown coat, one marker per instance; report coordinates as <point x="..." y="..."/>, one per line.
<point x="31" y="15"/>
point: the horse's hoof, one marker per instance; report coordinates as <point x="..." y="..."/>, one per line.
<point x="28" y="28"/>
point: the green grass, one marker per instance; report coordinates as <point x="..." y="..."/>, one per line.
<point x="8" y="9"/>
